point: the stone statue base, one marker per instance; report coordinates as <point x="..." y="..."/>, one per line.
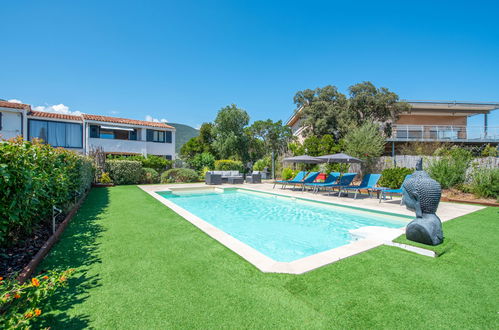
<point x="426" y="230"/>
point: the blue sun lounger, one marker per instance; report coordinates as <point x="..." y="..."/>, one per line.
<point x="384" y="190"/>
<point x="344" y="180"/>
<point x="297" y="179"/>
<point x="331" y="178"/>
<point x="368" y="183"/>
<point x="309" y="179"/>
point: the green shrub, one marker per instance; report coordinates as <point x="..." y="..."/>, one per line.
<point x="21" y="305"/>
<point x="199" y="161"/>
<point x="490" y="151"/>
<point x="393" y="177"/>
<point x="333" y="167"/>
<point x="287" y="174"/>
<point x="34" y="177"/>
<point x="228" y="165"/>
<point x="485" y="182"/>
<point x="263" y="163"/>
<point x="124" y="171"/>
<point x="176" y="175"/>
<point x="158" y="163"/>
<point x="150" y="175"/>
<point x="450" y="169"/>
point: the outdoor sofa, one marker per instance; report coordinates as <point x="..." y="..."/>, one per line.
<point x="219" y="177"/>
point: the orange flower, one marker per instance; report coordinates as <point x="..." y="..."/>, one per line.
<point x="17" y="296"/>
<point x="1" y="278"/>
<point x="62" y="278"/>
<point x="28" y="315"/>
<point x="35" y="281"/>
<point x="45" y="277"/>
<point x="38" y="311"/>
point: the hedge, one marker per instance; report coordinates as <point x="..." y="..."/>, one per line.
<point x="228" y="165"/>
<point x="124" y="171"/>
<point x="150" y="175"/>
<point x="34" y="177"/>
<point x="177" y="175"/>
<point x="157" y="163"/>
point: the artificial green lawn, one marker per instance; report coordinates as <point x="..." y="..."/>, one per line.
<point x="140" y="265"/>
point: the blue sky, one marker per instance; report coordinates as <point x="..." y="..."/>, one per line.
<point x="184" y="60"/>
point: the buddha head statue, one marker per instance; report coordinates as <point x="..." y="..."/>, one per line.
<point x="421" y="193"/>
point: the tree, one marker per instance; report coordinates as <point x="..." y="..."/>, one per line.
<point x="314" y="146"/>
<point x="199" y="144"/>
<point x="230" y="139"/>
<point x="370" y="104"/>
<point x="274" y="135"/>
<point x="206" y="136"/>
<point x="366" y="142"/>
<point x="191" y="148"/>
<point x="322" y="108"/>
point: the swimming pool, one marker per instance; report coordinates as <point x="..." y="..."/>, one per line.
<point x="282" y="228"/>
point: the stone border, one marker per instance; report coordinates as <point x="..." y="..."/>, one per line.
<point x="447" y="199"/>
<point x="258" y="259"/>
<point x="47" y="246"/>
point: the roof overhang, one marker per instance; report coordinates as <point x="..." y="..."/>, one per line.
<point x="450" y="108"/>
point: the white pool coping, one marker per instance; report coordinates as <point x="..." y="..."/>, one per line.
<point x="368" y="239"/>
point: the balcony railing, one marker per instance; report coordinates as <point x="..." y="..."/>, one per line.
<point x="444" y="133"/>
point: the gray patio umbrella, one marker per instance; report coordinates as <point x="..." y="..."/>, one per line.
<point x="339" y="158"/>
<point x="303" y="159"/>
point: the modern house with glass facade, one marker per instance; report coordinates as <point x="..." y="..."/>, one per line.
<point x="85" y="132"/>
<point x="430" y="121"/>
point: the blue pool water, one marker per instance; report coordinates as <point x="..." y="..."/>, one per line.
<point x="282" y="228"/>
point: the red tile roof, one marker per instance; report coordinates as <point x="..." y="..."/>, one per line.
<point x="125" y="121"/>
<point x="54" y="115"/>
<point x="107" y="119"/>
<point x="7" y="104"/>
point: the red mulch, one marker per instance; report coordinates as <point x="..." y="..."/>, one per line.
<point x="457" y="195"/>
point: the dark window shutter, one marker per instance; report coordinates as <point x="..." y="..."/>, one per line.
<point x="94" y="131"/>
<point x="133" y="135"/>
<point x="168" y="137"/>
<point x="169" y="157"/>
<point x="149" y="135"/>
<point x="0" y="121"/>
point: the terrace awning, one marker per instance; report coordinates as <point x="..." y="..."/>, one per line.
<point x="117" y="128"/>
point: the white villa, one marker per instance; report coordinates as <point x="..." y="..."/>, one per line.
<point x="85" y="132"/>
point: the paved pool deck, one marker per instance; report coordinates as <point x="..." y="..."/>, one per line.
<point x="375" y="236"/>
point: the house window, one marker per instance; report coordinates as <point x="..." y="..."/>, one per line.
<point x="115" y="133"/>
<point x="159" y="136"/>
<point x="57" y="134"/>
<point x="0" y="121"/>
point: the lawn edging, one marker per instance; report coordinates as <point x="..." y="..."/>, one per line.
<point x="47" y="246"/>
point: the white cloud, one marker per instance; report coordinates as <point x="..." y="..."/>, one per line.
<point x="155" y="120"/>
<point x="114" y="112"/>
<point x="15" y="101"/>
<point x="57" y="108"/>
